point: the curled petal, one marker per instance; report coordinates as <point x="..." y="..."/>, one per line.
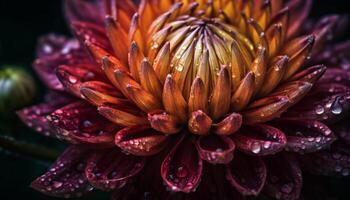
<point x="182" y="167"/>
<point x="199" y="123"/>
<point x="333" y="162"/>
<point x="294" y="90"/>
<point x="73" y="76"/>
<point x="215" y="149"/>
<point x="163" y="122"/>
<point x="122" y="116"/>
<point x="305" y="136"/>
<point x="260" y="140"/>
<point x="35" y="116"/>
<point x="322" y="108"/>
<point x="66" y="176"/>
<point x="311" y="74"/>
<point x="198" y="96"/>
<point x="140" y="140"/>
<point x="111" y="169"/>
<point x="100" y="93"/>
<point x="79" y="122"/>
<point x="228" y="125"/>
<point x="246" y="173"/>
<point x="265" y="110"/>
<point x="284" y="178"/>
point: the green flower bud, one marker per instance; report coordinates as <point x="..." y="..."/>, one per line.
<point x="17" y="89"/>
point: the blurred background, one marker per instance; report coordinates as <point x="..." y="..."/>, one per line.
<point x="21" y="23"/>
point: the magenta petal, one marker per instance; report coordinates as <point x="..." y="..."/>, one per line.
<point x="260" y="140"/>
<point x="247" y="174"/>
<point x="336" y="75"/>
<point x="215" y="149"/>
<point x="284" y="178"/>
<point x="324" y="31"/>
<point x="111" y="169"/>
<point x="54" y="50"/>
<point x="87" y="11"/>
<point x="321" y="107"/>
<point x="140" y="140"/>
<point x="73" y="76"/>
<point x="66" y="176"/>
<point x="333" y="162"/>
<point x="35" y="116"/>
<point x="299" y="11"/>
<point x="335" y="54"/>
<point x="80" y="122"/>
<point x="93" y="33"/>
<point x="305" y="136"/>
<point x="182" y="167"/>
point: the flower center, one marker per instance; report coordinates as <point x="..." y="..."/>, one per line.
<point x="198" y="47"/>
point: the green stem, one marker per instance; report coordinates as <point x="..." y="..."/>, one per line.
<point x="21" y="147"/>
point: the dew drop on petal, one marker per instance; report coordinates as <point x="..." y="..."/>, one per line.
<point x="181" y="172"/>
<point x="256" y="147"/>
<point x="319" y="110"/>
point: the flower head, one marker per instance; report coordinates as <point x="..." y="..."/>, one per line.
<point x="219" y="96"/>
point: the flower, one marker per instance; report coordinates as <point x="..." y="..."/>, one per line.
<point x="215" y="99"/>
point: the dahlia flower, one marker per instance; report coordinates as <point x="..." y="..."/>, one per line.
<point x="193" y="99"/>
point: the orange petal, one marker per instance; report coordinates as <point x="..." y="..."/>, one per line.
<point x="120" y="117"/>
<point x="198" y="99"/>
<point x="173" y="101"/>
<point x="135" y="58"/>
<point x="244" y="92"/>
<point x="266" y="112"/>
<point x="149" y="79"/>
<point x="221" y="94"/>
<point x="274" y="75"/>
<point x="161" y="63"/>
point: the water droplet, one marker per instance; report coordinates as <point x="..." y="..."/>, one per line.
<point x="319" y="110"/>
<point x="256" y="147"/>
<point x="336" y="107"/>
<point x="57" y="184"/>
<point x="72" y="79"/>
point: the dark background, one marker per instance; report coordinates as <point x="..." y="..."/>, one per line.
<point x="21" y="23"/>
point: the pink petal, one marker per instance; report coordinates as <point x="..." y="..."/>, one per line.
<point x="305" y="136"/>
<point x="215" y="149"/>
<point x="333" y="162"/>
<point x="284" y="178"/>
<point x="182" y="167"/>
<point x="247" y="174"/>
<point x="260" y="140"/>
<point x="299" y="11"/>
<point x="66" y="176"/>
<point x="140" y="140"/>
<point x="79" y="122"/>
<point x="87" y="11"/>
<point x="336" y="75"/>
<point x="35" y="116"/>
<point x="110" y="169"/>
<point x="54" y="50"/>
